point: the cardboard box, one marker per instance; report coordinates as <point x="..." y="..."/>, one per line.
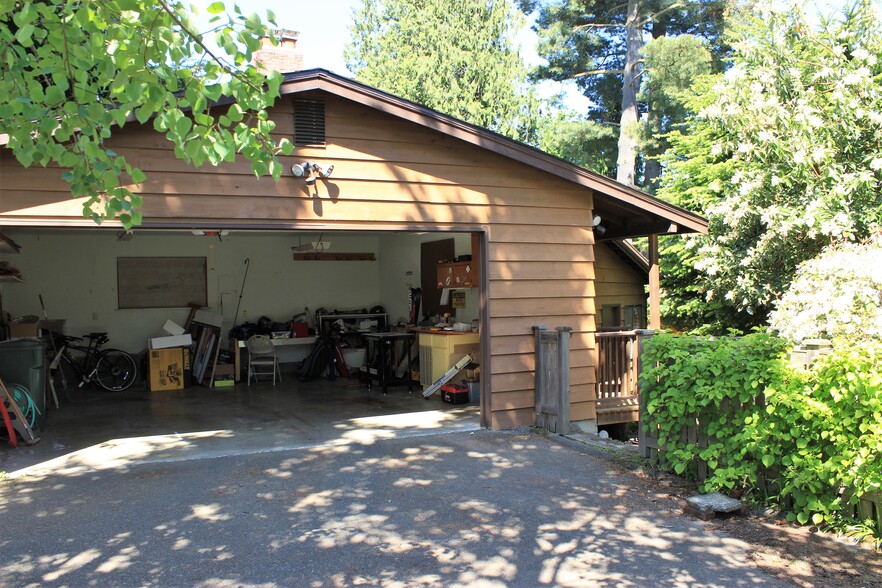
<point x="23" y="330"/>
<point x="167" y="368"/>
<point x="172" y="328"/>
<point x="172" y="341"/>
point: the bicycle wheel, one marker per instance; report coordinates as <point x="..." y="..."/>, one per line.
<point x="115" y="370"/>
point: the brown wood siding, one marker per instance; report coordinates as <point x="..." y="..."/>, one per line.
<point x="389" y="173"/>
<point x="616" y="281"/>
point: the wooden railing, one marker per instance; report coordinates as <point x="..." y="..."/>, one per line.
<point x="616" y="382"/>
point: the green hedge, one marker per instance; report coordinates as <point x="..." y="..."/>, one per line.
<point x="815" y="435"/>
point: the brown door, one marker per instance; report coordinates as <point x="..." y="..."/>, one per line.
<point x="431" y="253"/>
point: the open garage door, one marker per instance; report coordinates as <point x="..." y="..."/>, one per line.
<point x="342" y="287"/>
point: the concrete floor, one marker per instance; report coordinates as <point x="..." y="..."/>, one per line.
<point x="99" y="430"/>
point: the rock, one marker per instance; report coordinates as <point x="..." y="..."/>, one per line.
<point x="603" y="435"/>
<point x="705" y="506"/>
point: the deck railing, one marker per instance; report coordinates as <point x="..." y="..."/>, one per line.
<point x="616" y="382"/>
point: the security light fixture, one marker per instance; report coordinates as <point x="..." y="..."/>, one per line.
<point x="310" y="171"/>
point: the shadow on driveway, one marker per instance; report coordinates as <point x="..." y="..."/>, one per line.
<point x="459" y="509"/>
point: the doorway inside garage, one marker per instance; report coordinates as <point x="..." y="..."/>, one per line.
<point x="335" y="285"/>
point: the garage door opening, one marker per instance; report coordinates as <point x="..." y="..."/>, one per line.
<point x="346" y="287"/>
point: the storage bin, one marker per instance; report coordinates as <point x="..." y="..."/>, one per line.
<point x="22" y="361"/>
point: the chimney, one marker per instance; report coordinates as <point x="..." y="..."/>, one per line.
<point x="284" y="57"/>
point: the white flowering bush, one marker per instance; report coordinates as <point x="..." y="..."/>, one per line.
<point x="783" y="153"/>
<point x="837" y="295"/>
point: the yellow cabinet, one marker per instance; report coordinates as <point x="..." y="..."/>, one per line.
<point x="440" y="351"/>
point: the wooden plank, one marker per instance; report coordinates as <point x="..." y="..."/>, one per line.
<point x="525" y="362"/>
<point x="551" y="306"/>
<point x="508" y="326"/>
<point x="538" y="270"/>
<point x="544" y="234"/>
<point x="509" y="419"/>
<point x="582" y="411"/>
<point x="503" y="345"/>
<point x="505" y="252"/>
<point x="566" y="287"/>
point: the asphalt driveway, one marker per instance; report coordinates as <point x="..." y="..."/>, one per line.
<point x="458" y="509"/>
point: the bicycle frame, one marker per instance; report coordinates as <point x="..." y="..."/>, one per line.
<point x="86" y="366"/>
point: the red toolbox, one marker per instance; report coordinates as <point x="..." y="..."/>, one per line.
<point x="455" y="393"/>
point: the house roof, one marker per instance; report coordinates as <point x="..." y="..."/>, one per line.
<point x="625" y="211"/>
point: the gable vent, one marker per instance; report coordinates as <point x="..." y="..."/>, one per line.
<point x="309" y="123"/>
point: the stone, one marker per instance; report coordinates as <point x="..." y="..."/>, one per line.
<point x="705" y="506"/>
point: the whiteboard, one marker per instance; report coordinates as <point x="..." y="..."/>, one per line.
<point x="161" y="282"/>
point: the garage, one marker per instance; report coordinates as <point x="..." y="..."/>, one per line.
<point x="373" y="180"/>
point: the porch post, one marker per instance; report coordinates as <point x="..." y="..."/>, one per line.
<point x="654" y="287"/>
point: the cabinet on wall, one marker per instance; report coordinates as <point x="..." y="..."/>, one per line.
<point x="457" y="274"/>
<point x="439" y="351"/>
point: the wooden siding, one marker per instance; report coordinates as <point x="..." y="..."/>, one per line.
<point x="616" y="281"/>
<point x="390" y="173"/>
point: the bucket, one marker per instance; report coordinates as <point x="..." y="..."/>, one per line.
<point x="474" y="390"/>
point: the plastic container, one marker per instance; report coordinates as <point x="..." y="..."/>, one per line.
<point x="474" y="390"/>
<point x="22" y="362"/>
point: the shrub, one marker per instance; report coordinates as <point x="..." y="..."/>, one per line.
<point x="835" y="295"/>
<point x="816" y="433"/>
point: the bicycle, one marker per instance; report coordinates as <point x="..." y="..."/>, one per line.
<point x="112" y="369"/>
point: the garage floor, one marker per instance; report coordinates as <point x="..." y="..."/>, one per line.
<point x="96" y="430"/>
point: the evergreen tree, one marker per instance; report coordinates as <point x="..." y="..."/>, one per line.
<point x="588" y="42"/>
<point x="455" y="57"/>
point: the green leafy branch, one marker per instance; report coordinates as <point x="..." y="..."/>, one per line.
<point x="70" y="72"/>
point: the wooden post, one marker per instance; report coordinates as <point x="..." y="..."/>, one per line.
<point x="654" y="286"/>
<point x="645" y="450"/>
<point x="563" y="365"/>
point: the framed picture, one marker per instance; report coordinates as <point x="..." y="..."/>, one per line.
<point x="161" y="282"/>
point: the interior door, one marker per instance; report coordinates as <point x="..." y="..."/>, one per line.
<point x="431" y="252"/>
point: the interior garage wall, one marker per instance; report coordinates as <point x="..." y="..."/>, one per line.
<point x="75" y="271"/>
<point x="400" y="254"/>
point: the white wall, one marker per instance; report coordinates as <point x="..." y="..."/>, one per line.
<point x="400" y="253"/>
<point x="75" y="271"/>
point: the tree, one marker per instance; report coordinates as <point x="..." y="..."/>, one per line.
<point x="455" y="57"/>
<point x="784" y="152"/>
<point x="71" y="72"/>
<point x="592" y="44"/>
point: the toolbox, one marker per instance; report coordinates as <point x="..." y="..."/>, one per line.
<point x="455" y="393"/>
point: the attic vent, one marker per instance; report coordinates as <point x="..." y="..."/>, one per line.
<point x="309" y="123"/>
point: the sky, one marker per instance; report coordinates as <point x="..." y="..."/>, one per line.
<point x="324" y="31"/>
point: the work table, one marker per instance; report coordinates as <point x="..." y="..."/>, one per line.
<point x="428" y="331"/>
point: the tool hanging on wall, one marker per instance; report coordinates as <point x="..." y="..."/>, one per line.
<point x="241" y="290"/>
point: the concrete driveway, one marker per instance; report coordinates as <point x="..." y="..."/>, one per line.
<point x="476" y="508"/>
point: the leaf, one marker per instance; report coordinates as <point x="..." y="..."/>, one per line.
<point x="768" y="460"/>
<point x="216" y="8"/>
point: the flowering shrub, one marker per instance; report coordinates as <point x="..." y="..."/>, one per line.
<point x="782" y="155"/>
<point x="835" y="295"/>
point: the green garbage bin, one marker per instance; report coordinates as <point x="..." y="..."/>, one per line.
<point x="23" y="361"/>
